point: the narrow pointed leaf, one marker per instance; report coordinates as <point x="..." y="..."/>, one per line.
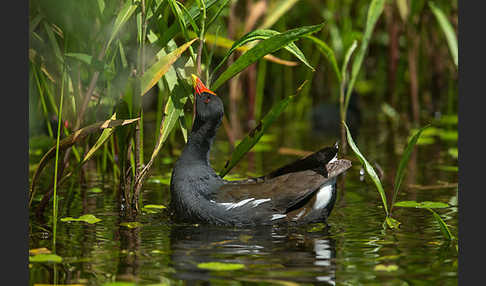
<point x="219" y="266"/>
<point x="404" y="161"/>
<point x="123" y="16"/>
<point x="263" y="34"/>
<point x="107" y="132"/>
<point x="347" y="57"/>
<point x="328" y="53"/>
<point x="368" y="168"/>
<point x="255" y="134"/>
<point x="88" y="218"/>
<point x="443" y="226"/>
<point x="448" y="31"/>
<point x="374" y="12"/>
<point x="263" y="48"/>
<point x="157" y="70"/>
<point x="45" y="258"/>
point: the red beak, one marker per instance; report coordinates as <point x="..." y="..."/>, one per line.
<point x="199" y="87"/>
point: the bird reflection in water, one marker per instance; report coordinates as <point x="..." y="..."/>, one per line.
<point x="270" y="254"/>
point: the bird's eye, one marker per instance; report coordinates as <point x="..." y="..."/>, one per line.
<point x="207" y="100"/>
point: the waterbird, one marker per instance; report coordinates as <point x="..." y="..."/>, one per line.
<point x="301" y="192"/>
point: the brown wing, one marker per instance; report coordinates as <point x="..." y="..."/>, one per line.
<point x="284" y="191"/>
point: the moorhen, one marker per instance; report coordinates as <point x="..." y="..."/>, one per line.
<point x="298" y="193"/>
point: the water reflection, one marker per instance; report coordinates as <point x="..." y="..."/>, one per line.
<point x="269" y="254"/>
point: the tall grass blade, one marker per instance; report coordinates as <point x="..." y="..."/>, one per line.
<point x="157" y="70"/>
<point x="279" y="10"/>
<point x="404" y="162"/>
<point x="256" y="133"/>
<point x="262" y="34"/>
<point x="374" y="11"/>
<point x="368" y="168"/>
<point x="264" y="47"/>
<point x="328" y="53"/>
<point x="443" y="226"/>
<point x="347" y="57"/>
<point x="123" y="16"/>
<point x="448" y="31"/>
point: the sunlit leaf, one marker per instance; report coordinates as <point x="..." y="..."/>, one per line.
<point x="154" y="206"/>
<point x="157" y="70"/>
<point x="264" y="47"/>
<point x="368" y="168"/>
<point x="37" y="251"/>
<point x="256" y="133"/>
<point x="89" y="218"/>
<point x="218" y="266"/>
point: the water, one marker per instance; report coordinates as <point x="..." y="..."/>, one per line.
<point x="353" y="249"/>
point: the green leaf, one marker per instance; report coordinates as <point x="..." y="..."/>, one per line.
<point x="421" y="205"/>
<point x="89" y="218"/>
<point x="448" y="31"/>
<point x="131" y="224"/>
<point x="218" y="266"/>
<point x="255" y="134"/>
<point x="154" y="207"/>
<point x="95" y="190"/>
<point x="157" y="70"/>
<point x="85" y="58"/>
<point x="119" y="283"/>
<point x="443" y="226"/>
<point x="347" y="57"/>
<point x="107" y="132"/>
<point x="368" y="168"/>
<point x="123" y="16"/>
<point x="328" y="53"/>
<point x="262" y="34"/>
<point x="374" y="11"/>
<point x="263" y="48"/>
<point x="386" y="268"/>
<point x="43" y="257"/>
<point x="404" y="162"/>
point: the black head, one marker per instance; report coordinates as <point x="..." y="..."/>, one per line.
<point x="209" y="107"/>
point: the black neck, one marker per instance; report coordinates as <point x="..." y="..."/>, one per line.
<point x="200" y="140"/>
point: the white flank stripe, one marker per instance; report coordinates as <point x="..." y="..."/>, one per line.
<point x="260" y="201"/>
<point x="238" y="204"/>
<point x="277" y="216"/>
<point x="324" y="195"/>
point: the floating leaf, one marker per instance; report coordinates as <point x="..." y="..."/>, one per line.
<point x="89" y="218"/>
<point x="37" y="251"/>
<point x="369" y="169"/>
<point x="157" y="70"/>
<point x="421" y="205"/>
<point x="131" y="224"/>
<point x="448" y="31"/>
<point x="264" y="47"/>
<point x="45" y="258"/>
<point x="255" y="134"/>
<point x="154" y="207"/>
<point x="95" y="190"/>
<point x="387" y="268"/>
<point x="218" y="266"/>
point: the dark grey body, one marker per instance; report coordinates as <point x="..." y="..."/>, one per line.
<point x="301" y="192"/>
